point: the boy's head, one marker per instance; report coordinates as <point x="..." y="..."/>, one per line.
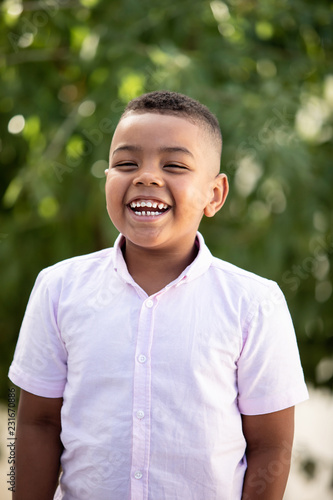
<point x="163" y="174"/>
<point x="173" y="103"/>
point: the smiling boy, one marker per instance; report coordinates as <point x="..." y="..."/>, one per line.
<point x="170" y="374"/>
<point x="167" y="160"/>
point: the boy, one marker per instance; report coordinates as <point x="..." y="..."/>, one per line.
<point x="170" y="374"/>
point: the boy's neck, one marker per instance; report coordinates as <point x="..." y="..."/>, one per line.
<point x="152" y="270"/>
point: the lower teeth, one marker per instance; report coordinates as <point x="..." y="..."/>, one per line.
<point x="148" y="213"/>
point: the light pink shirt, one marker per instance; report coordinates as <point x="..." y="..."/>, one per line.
<point x="154" y="387"/>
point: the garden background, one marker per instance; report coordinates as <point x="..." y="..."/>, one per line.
<point x="265" y="68"/>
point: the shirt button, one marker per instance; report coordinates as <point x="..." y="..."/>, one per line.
<point x="142" y="358"/>
<point x="138" y="475"/>
<point x="149" y="303"/>
<point x="140" y="414"/>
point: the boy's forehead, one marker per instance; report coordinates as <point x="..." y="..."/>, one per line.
<point x="153" y="122"/>
<point x="167" y="132"/>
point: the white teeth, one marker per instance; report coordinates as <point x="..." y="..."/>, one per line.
<point x="147" y="213"/>
<point x="150" y="204"/>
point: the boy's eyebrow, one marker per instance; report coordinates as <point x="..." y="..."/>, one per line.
<point x="175" y="149"/>
<point x="127" y="148"/>
<point x="164" y="149"/>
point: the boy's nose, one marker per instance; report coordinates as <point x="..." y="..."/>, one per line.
<point x="148" y="177"/>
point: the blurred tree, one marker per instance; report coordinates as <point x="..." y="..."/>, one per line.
<point x="67" y="69"/>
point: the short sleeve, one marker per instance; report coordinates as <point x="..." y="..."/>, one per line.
<point x="270" y="375"/>
<point x="40" y="360"/>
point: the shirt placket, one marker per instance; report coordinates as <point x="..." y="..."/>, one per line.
<point x="142" y="402"/>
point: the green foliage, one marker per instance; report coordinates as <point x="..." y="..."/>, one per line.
<point x="264" y="67"/>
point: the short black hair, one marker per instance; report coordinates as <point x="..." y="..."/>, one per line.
<point x="173" y="103"/>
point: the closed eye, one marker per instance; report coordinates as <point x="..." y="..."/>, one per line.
<point x="175" y="166"/>
<point x="125" y="166"/>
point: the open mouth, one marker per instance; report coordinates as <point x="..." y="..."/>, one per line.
<point x="148" y="207"/>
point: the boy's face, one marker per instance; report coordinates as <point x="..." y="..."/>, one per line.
<point x="161" y="179"/>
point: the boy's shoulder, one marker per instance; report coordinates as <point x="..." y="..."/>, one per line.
<point x="79" y="265"/>
<point x="85" y="259"/>
<point x="241" y="281"/>
<point x="237" y="272"/>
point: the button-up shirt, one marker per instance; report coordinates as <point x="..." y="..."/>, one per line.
<point x="154" y="387"/>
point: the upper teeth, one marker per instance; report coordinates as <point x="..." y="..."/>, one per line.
<point x="150" y="204"/>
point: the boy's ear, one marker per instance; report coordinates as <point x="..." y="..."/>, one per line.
<point x="220" y="192"/>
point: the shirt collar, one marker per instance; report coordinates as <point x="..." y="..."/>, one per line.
<point x="199" y="266"/>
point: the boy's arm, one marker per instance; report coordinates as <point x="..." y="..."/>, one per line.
<point x="38" y="447"/>
<point x="269" y="440"/>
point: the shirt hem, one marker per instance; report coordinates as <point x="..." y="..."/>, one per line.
<point x="36" y="387"/>
<point x="260" y="406"/>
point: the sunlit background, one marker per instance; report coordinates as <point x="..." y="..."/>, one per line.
<point x="265" y="68"/>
